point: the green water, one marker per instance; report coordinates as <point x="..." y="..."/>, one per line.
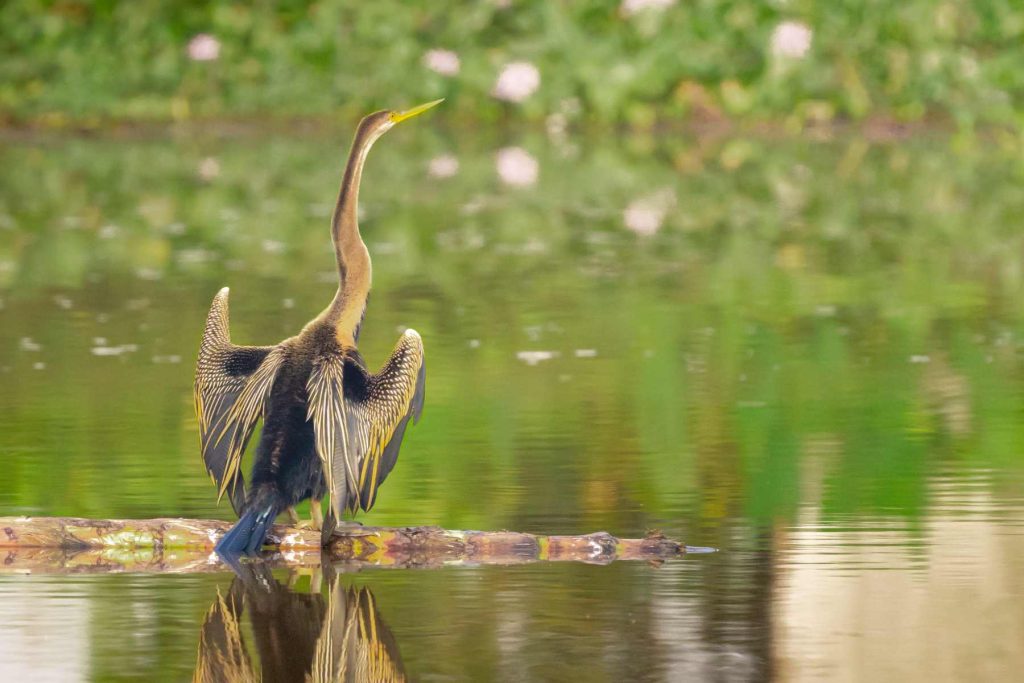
<point x="813" y="364"/>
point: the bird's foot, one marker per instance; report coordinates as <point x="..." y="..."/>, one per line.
<point x="316" y="520"/>
<point x="333" y="526"/>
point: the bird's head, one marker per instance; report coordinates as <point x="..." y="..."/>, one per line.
<point x="376" y="124"/>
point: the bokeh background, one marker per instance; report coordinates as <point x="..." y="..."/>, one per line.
<point x="635" y="61"/>
<point x="750" y="274"/>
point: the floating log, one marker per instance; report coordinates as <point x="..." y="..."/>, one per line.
<point x="73" y="545"/>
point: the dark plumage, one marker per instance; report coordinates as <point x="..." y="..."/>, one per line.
<point x="329" y="425"/>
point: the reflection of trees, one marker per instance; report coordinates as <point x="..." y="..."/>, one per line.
<point x="922" y="599"/>
<point x="295" y="636"/>
<point x="765" y="315"/>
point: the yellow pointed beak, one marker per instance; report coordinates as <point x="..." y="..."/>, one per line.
<point x="399" y="116"/>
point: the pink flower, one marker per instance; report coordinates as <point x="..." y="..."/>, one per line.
<point x="444" y="62"/>
<point x="516" y="82"/>
<point x="516" y="167"/>
<point x="646" y="215"/>
<point x="643" y="220"/>
<point x="203" y="48"/>
<point x="443" y="166"/>
<point x="209" y="168"/>
<point x="791" y="39"/>
<point x="631" y="7"/>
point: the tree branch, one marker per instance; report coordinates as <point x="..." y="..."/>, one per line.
<point x="73" y="545"/>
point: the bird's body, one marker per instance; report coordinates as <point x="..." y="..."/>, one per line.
<point x="286" y="463"/>
<point x="329" y="424"/>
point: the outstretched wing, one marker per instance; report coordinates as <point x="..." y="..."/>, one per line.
<point x="231" y="385"/>
<point x="222" y="654"/>
<point x="355" y="643"/>
<point x="359" y="419"/>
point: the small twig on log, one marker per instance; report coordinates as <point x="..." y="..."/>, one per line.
<point x="71" y="545"/>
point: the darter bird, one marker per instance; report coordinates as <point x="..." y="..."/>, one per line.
<point x="337" y="637"/>
<point x="329" y="424"/>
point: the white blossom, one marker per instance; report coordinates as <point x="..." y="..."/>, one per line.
<point x="791" y="39"/>
<point x="517" y="167"/>
<point x="632" y="7"/>
<point x="203" y="48"/>
<point x="209" y="168"/>
<point x="646" y="215"/>
<point x="534" y="357"/>
<point x="516" y="82"/>
<point x="443" y="166"/>
<point x="643" y="220"/>
<point x="444" y="62"/>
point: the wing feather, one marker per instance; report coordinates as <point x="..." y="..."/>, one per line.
<point x="231" y="385"/>
<point x="222" y="655"/>
<point x="326" y="410"/>
<point x="355" y="642"/>
<point x="359" y="419"/>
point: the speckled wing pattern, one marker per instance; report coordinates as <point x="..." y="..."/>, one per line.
<point x="232" y="383"/>
<point x="359" y="421"/>
<point x="355" y="644"/>
<point x="222" y="655"/>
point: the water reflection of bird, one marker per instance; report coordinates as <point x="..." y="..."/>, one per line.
<point x="329" y="424"/>
<point x="297" y="636"/>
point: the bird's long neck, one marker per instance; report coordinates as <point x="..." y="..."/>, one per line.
<point x="354" y="269"/>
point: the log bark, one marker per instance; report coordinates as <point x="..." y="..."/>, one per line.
<point x="73" y="545"/>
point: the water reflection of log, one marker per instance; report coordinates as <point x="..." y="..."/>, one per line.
<point x="297" y="636"/>
<point x="68" y="545"/>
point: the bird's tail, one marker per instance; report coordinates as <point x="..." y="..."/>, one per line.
<point x="248" y="534"/>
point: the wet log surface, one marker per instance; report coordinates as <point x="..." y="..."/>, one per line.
<point x="74" y="545"/>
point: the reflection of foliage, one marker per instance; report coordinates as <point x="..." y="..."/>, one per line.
<point x="84" y="60"/>
<point x="766" y="333"/>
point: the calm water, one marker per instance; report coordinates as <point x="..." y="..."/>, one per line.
<point x="813" y="363"/>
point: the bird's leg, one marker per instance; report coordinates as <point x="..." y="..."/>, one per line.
<point x="293" y="516"/>
<point x="316" y="514"/>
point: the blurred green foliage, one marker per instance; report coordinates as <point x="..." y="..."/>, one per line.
<point x="635" y="61"/>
